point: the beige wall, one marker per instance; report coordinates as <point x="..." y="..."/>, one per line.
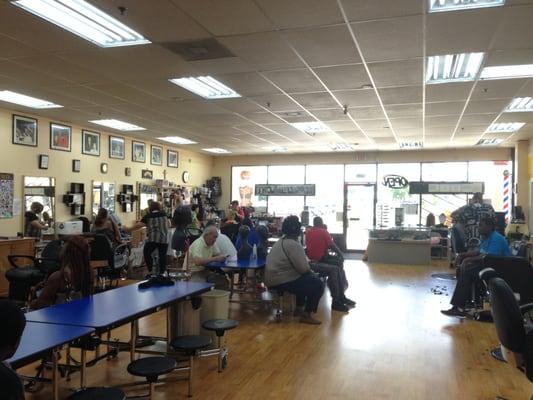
<point x="222" y="165"/>
<point x="23" y="161"/>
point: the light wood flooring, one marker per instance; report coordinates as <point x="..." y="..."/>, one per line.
<point x="394" y="345"/>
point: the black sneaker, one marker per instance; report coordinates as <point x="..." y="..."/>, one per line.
<point x="454" y="312"/>
<point x="348" y="302"/>
<point x="339" y="306"/>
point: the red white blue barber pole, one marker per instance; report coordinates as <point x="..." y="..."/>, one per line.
<point x="507" y="195"/>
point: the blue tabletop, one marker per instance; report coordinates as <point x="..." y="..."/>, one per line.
<point x="39" y="338"/>
<point x="240" y="264"/>
<point x="116" y="307"/>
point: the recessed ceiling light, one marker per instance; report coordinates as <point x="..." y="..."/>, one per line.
<point x="507" y="72"/>
<point x="489" y="142"/>
<point x="277" y="149"/>
<point x="411" y="145"/>
<point x="176" y="140"/>
<point x="453" y="67"/>
<point x="341" y="146"/>
<point x="84" y="20"/>
<point x="206" y="86"/>
<point x="505" y="127"/>
<point x="454" y="5"/>
<point x="117" y="124"/>
<point x="28" y="101"/>
<point x="520" y="104"/>
<point x="311" y="128"/>
<point x="216" y="150"/>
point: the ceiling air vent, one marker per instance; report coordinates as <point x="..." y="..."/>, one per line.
<point x="204" y="49"/>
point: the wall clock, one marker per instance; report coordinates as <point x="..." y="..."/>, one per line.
<point x="185" y="176"/>
<point x="103" y="168"/>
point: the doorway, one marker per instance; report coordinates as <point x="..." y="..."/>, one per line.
<point x="359" y="214"/>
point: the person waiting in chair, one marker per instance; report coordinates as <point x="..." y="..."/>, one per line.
<point x="492" y="243"/>
<point x="223" y="242"/>
<point x="10" y="335"/>
<point x="203" y="251"/>
<point x="287" y="269"/>
<point x="319" y="245"/>
<point x="245" y="250"/>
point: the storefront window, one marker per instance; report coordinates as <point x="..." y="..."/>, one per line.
<point x="282" y="206"/>
<point x="492" y="174"/>
<point x="243" y="183"/>
<point x="360" y="173"/>
<point x="329" y="196"/>
<point x="395" y="207"/>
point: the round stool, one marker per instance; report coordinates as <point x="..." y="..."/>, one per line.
<point x="98" y="394"/>
<point x="220" y="326"/>
<point x="151" y="368"/>
<point x="189" y="345"/>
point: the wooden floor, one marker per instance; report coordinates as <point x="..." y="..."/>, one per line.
<point x="394" y="345"/>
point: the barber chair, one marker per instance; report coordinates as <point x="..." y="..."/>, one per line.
<point x="21" y="277"/>
<point x="515" y="335"/>
<point x="108" y="260"/>
<point x="517" y="272"/>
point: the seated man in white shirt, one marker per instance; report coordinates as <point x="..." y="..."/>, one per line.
<point x="223" y="242"/>
<point x="203" y="251"/>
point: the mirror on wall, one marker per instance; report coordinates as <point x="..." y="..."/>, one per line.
<point x="103" y="196"/>
<point x="40" y="189"/>
<point x="145" y="192"/>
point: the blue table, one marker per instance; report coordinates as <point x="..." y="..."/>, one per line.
<point x="39" y="339"/>
<point x="232" y="267"/>
<point x="113" y="308"/>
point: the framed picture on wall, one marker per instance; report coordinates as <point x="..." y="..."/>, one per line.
<point x="90" y="143"/>
<point x="76" y="165"/>
<point x="138" y="151"/>
<point x="117" y="147"/>
<point x="60" y="137"/>
<point x="24" y="130"/>
<point x="147" y="174"/>
<point x="43" y="161"/>
<point x="156" y="155"/>
<point x="172" y="159"/>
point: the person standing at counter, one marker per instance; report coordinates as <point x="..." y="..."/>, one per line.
<point x="33" y="227"/>
<point x="470" y="215"/>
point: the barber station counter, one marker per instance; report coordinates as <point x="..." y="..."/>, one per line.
<point x="410" y="246"/>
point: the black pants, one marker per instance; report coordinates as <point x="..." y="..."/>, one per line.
<point x="149" y="247"/>
<point x="308" y="290"/>
<point x="467" y="276"/>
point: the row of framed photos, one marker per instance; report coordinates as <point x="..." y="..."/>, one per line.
<point x="25" y="133"/>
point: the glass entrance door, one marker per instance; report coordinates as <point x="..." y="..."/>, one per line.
<point x="359" y="214"/>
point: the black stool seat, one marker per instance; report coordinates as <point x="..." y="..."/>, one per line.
<point x="151" y="367"/>
<point x="99" y="394"/>
<point x="220" y="325"/>
<point x="190" y="343"/>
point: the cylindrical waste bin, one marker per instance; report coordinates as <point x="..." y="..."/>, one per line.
<point x="184" y="319"/>
<point x="215" y="305"/>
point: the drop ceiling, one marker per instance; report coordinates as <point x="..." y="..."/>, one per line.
<point x="355" y="65"/>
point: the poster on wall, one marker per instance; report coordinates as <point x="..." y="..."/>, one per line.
<point x="6" y="195"/>
<point x="243" y="184"/>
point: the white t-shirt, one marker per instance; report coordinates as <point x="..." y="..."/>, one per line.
<point x="225" y="245"/>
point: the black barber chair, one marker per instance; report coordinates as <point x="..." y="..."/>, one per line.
<point x="515" y="335"/>
<point x="21" y="277"/>
<point x="516" y="271"/>
<point x="110" y="261"/>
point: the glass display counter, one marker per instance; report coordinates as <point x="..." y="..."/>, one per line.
<point x="409" y="246"/>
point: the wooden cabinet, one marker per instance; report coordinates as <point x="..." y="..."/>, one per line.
<point x="24" y="246"/>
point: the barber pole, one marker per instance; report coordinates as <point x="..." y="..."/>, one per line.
<point x="507" y="195"/>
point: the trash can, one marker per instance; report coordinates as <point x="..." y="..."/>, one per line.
<point x="215" y="305"/>
<point x="184" y="319"/>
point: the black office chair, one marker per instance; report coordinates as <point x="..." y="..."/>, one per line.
<point x="516" y="336"/>
<point x="516" y="271"/>
<point x="113" y="260"/>
<point x="22" y="278"/>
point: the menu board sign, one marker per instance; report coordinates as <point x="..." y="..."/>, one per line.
<point x="285" y="190"/>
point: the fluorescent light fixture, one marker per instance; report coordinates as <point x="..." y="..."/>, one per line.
<point x="520" y="104"/>
<point x="489" y="142"/>
<point x="117" y="124"/>
<point x="453" y="67"/>
<point x="311" y="128"/>
<point x="411" y="145"/>
<point x="507" y="72"/>
<point x="206" y="86"/>
<point x="454" y="5"/>
<point x="505" y="127"/>
<point x="341" y="146"/>
<point x="28" y="101"/>
<point x="216" y="150"/>
<point x="84" y="20"/>
<point x="176" y="140"/>
<point x="277" y="149"/>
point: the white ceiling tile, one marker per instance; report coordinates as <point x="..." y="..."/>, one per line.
<point x="448" y="91"/>
<point x="228" y="65"/>
<point x="398" y="38"/>
<point x="277" y="103"/>
<point x="445" y="108"/>
<point x="330" y="45"/>
<point x="364" y="10"/>
<point x="315" y="100"/>
<point x="29" y="75"/>
<point x="357" y="98"/>
<point x="441" y="120"/>
<point x="343" y="77"/>
<point x="401" y="95"/>
<point x="248" y="84"/>
<point x="509" y="57"/>
<point x="10" y="48"/>
<point x="401" y="123"/>
<point x="301" y="13"/>
<point x="295" y="80"/>
<point x="373" y="124"/>
<point x="477" y="119"/>
<point x="397" y="73"/>
<point x="367" y="113"/>
<point x="497" y="89"/>
<point x="515" y="31"/>
<point x="486" y="106"/>
<point x="404" y="110"/>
